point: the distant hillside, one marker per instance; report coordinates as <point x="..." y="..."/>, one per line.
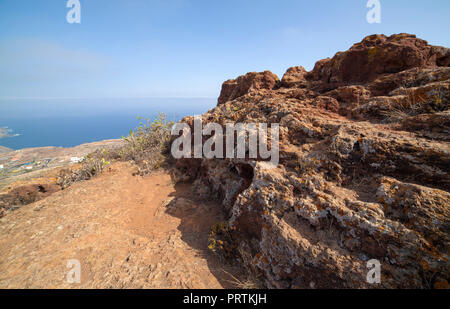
<point x="4" y="149"/>
<point x="5" y="132"/>
<point x="2" y="132"/>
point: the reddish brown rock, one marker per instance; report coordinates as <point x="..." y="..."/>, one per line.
<point x="363" y="173"/>
<point x="294" y="77"/>
<point x="374" y="56"/>
<point x="300" y="93"/>
<point x="350" y="94"/>
<point x="236" y="88"/>
<point x="327" y="103"/>
<point x="442" y="55"/>
<point x="349" y="97"/>
<point x="381" y="108"/>
<point x="415" y="77"/>
<point x="26" y="194"/>
<point x="435" y="126"/>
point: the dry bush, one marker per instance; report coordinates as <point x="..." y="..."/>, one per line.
<point x="220" y="241"/>
<point x="253" y="278"/>
<point x="91" y="166"/>
<point x="413" y="106"/>
<point x="403" y="110"/>
<point x="149" y="144"/>
<point x="249" y="283"/>
<point x="222" y="244"/>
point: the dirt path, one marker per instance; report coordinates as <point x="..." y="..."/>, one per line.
<point x="126" y="232"/>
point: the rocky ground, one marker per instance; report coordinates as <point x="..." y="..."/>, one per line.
<point x="126" y="231"/>
<point x="31" y="174"/>
<point x="363" y="174"/>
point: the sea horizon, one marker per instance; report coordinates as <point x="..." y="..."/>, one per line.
<point x="69" y="122"/>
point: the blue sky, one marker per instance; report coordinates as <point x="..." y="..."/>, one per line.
<point x="184" y="48"/>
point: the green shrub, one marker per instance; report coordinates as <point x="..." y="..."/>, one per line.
<point x="91" y="165"/>
<point x="149" y="144"/>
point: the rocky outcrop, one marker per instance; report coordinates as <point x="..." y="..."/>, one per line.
<point x="26" y="194"/>
<point x="374" y="56"/>
<point x="236" y="88"/>
<point x="295" y="77"/>
<point x="363" y="173"/>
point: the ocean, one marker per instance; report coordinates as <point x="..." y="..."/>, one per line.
<point x="71" y="122"/>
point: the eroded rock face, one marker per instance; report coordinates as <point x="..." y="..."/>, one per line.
<point x="377" y="55"/>
<point x="235" y="88"/>
<point x="363" y="173"/>
<point x="295" y="77"/>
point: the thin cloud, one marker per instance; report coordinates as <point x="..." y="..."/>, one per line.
<point x="37" y="60"/>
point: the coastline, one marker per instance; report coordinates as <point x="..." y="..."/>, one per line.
<point x="5" y="149"/>
<point x="3" y="132"/>
<point x="27" y="163"/>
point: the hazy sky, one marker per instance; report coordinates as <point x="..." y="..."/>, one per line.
<point x="185" y="48"/>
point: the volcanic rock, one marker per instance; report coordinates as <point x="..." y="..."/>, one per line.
<point x="236" y="88"/>
<point x="364" y="169"/>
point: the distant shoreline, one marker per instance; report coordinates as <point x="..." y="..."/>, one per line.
<point x="5" y="132"/>
<point x="5" y="149"/>
<point x="32" y="162"/>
